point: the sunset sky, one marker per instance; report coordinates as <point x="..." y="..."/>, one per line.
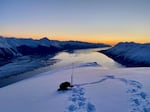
<point x="107" y="21"/>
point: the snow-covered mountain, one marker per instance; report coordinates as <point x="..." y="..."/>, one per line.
<point x="11" y="47"/>
<point x="70" y="45"/>
<point x="130" y="54"/>
<point x="6" y="50"/>
<point x="32" y="47"/>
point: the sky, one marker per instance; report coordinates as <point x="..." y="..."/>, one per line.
<point x="104" y="21"/>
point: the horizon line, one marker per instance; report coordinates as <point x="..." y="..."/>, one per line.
<point x="102" y="42"/>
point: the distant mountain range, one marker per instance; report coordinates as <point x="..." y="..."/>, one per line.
<point x="13" y="47"/>
<point x="130" y="54"/>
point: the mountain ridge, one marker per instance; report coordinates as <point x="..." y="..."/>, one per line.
<point x="12" y="47"/>
<point x="130" y="54"/>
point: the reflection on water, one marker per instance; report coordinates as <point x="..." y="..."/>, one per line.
<point x="66" y="59"/>
<point x="83" y="56"/>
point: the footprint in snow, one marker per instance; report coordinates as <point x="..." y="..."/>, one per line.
<point x="78" y="101"/>
<point x="139" y="100"/>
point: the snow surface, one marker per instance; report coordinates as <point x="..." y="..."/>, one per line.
<point x="12" y="47"/>
<point x="24" y="64"/>
<point x="11" y="42"/>
<point x="130" y="53"/>
<point x="140" y="52"/>
<point x="96" y="89"/>
<point x="6" y="47"/>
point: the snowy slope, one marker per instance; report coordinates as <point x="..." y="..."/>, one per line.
<point x="96" y="89"/>
<point x="130" y="54"/>
<point x="11" y="47"/>
<point x="6" y="50"/>
<point x="70" y="45"/>
<point x="16" y="42"/>
<point x="25" y="46"/>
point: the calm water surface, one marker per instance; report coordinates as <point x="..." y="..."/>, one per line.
<point x="84" y="56"/>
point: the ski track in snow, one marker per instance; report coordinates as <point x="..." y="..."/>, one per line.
<point x="139" y="100"/>
<point x="79" y="102"/>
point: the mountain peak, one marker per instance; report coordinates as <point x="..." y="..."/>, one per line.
<point x="44" y="38"/>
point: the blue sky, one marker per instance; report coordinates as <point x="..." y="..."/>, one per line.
<point x="87" y="20"/>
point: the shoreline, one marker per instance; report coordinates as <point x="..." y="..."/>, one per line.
<point x="28" y="68"/>
<point x="123" y="61"/>
<point x="58" y="61"/>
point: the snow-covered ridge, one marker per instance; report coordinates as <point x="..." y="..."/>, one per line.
<point x="130" y="53"/>
<point x="10" y="47"/>
<point x="96" y="89"/>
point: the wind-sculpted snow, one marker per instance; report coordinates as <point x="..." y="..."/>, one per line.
<point x="130" y="54"/>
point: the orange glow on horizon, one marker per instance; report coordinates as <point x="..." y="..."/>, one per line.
<point x="105" y="40"/>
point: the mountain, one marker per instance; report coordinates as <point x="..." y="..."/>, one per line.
<point x="12" y="47"/>
<point x="71" y="45"/>
<point x="130" y="54"/>
<point x="6" y="50"/>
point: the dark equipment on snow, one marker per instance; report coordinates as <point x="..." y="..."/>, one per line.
<point x="65" y="86"/>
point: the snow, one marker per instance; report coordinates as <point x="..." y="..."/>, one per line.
<point x="20" y="41"/>
<point x="130" y="53"/>
<point x="3" y="43"/>
<point x="13" y="42"/>
<point x="5" y="47"/>
<point x="12" y="47"/>
<point x="45" y="42"/>
<point x="20" y="65"/>
<point x="24" y="64"/>
<point x="96" y="89"/>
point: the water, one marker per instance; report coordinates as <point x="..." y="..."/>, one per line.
<point x="79" y="57"/>
<point x="63" y="59"/>
<point x="84" y="56"/>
